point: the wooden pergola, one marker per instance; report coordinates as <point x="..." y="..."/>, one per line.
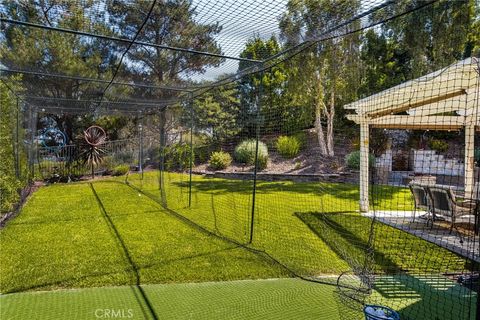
<point x="447" y="99"/>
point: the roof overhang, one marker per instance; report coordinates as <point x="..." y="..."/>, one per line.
<point x="447" y="99"/>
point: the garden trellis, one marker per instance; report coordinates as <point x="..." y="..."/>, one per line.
<point x="198" y="93"/>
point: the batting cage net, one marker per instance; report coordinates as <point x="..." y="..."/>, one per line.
<point x="340" y="145"/>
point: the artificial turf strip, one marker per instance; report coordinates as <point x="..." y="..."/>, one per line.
<point x="248" y="299"/>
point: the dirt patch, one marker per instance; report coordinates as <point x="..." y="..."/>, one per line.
<point x="309" y="161"/>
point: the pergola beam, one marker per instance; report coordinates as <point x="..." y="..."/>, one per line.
<point x="413" y="122"/>
<point x="459" y="103"/>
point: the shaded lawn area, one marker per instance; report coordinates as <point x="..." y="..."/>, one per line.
<point x="408" y="269"/>
<point x="395" y="250"/>
<point x="260" y="299"/>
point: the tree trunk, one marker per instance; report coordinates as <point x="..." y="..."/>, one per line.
<point x="318" y="124"/>
<point x="319" y="109"/>
<point x="330" y="118"/>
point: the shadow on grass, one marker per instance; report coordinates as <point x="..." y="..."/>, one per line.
<point x="347" y="235"/>
<point x="343" y="191"/>
<point x="140" y="294"/>
<point x="427" y="296"/>
<point x="143" y="297"/>
<point x="415" y="288"/>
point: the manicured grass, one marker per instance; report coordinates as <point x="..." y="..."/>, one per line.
<point x="62" y="239"/>
<point x="67" y="238"/>
<point x="267" y="299"/>
<point x="286" y="223"/>
<point x="395" y="250"/>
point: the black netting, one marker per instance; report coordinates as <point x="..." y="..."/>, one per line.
<point x="333" y="140"/>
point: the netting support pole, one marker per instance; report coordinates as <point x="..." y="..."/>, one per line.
<point x="140" y="141"/>
<point x="364" y="164"/>
<point x="161" y="165"/>
<point x="16" y="144"/>
<point x="190" y="105"/>
<point x="257" y="138"/>
<point x="469" y="159"/>
<point x="31" y="152"/>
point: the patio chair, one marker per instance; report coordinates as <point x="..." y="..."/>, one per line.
<point x="444" y="203"/>
<point x="420" y="200"/>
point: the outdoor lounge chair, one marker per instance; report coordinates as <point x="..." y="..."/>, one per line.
<point x="420" y="199"/>
<point x="444" y="203"/>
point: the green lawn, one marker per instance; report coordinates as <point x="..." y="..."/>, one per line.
<point x="65" y="237"/>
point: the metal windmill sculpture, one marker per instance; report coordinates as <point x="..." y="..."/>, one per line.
<point x="95" y="137"/>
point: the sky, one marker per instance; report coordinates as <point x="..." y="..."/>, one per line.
<point x="240" y="21"/>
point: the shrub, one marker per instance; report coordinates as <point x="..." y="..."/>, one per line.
<point x="353" y="160"/>
<point x="9" y="189"/>
<point x="202" y="153"/>
<point x="438" y="145"/>
<point x="108" y="163"/>
<point x="177" y="156"/>
<point x="245" y="153"/>
<point x="123" y="157"/>
<point x="220" y="160"/>
<point x="288" y="147"/>
<point x="120" y="170"/>
<point x="302" y="139"/>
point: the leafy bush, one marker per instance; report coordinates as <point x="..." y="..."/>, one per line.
<point x="109" y="163"/>
<point x="9" y="182"/>
<point x="302" y="139"/>
<point x="220" y="160"/>
<point x="288" y="147"/>
<point x="245" y="153"/>
<point x="177" y="156"/>
<point x="202" y="153"/>
<point x="438" y="145"/>
<point x="353" y="160"/>
<point x="9" y="187"/>
<point x="120" y="170"/>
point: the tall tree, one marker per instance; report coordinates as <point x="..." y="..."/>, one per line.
<point x="433" y="36"/>
<point x="327" y="70"/>
<point x="57" y="52"/>
<point x="215" y="114"/>
<point x="263" y="90"/>
<point x="172" y="23"/>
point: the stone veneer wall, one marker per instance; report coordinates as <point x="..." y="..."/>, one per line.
<point x="426" y="162"/>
